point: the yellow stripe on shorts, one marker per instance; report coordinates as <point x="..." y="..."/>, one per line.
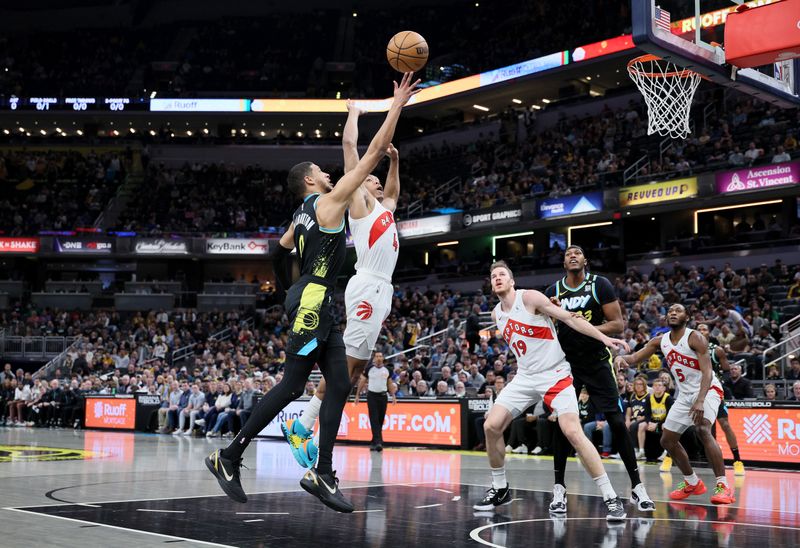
<point x="310" y="304"/>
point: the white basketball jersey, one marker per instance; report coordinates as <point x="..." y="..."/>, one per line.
<point x="685" y="366"/>
<point x="531" y="337"/>
<point x="375" y="239"/>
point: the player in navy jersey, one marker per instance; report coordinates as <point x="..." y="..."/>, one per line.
<point x="592" y="297"/>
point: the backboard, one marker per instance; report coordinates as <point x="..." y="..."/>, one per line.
<point x="680" y="39"/>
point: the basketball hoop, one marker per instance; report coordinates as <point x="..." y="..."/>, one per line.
<point x="668" y="91"/>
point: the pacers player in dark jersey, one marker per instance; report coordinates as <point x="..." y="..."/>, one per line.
<point x="592" y="296"/>
<point x="317" y="232"/>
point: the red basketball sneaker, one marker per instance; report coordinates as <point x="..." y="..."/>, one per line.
<point x="723" y="494"/>
<point x="684" y="490"/>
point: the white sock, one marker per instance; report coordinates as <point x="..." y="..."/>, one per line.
<point x="309" y="416"/>
<point x="605" y="487"/>
<point x="499" y="478"/>
<point x="691" y="480"/>
<point x="723" y="480"/>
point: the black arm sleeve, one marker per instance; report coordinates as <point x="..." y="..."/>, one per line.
<point x="281" y="264"/>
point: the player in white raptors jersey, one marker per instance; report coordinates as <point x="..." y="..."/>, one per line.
<point x="699" y="395"/>
<point x="368" y="297"/>
<point x="524" y="317"/>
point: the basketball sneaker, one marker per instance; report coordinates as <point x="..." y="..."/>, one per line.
<point x="684" y="490"/>
<point x="227" y="473"/>
<point x="723" y="494"/>
<point x="642" y="500"/>
<point x="296" y="435"/>
<point x="738" y="468"/>
<point x="326" y="488"/>
<point x="666" y="464"/>
<point x="493" y="499"/>
<point x="559" y="503"/>
<point x="616" y="510"/>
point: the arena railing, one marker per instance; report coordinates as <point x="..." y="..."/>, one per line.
<point x="180" y="354"/>
<point x="35" y="347"/>
<point x="786" y="349"/>
<point x="57" y="361"/>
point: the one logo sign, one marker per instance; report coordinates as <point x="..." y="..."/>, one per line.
<point x="364" y="310"/>
<point x="757" y="428"/>
<point x="67" y="245"/>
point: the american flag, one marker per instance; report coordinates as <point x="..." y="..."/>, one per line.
<point x="662" y="19"/>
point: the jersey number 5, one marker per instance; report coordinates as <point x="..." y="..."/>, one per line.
<point x="519" y="348"/>
<point x="680" y="375"/>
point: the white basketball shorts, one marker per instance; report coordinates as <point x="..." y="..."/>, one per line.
<point x="553" y="386"/>
<point x="368" y="301"/>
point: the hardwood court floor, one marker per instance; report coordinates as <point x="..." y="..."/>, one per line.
<point x="115" y="489"/>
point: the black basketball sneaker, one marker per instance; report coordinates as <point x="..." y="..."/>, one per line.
<point x="494" y="498"/>
<point x="227" y="473"/>
<point x="326" y="488"/>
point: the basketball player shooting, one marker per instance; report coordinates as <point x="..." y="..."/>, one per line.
<point x="525" y="318"/>
<point x="317" y="232"/>
<point x="368" y="297"/>
<point x="699" y="396"/>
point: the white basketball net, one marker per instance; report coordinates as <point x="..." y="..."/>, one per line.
<point x="668" y="91"/>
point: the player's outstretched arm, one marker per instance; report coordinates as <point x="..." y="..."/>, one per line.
<point x="637" y="357"/>
<point x="391" y="191"/>
<point x="537" y="301"/>
<point x="350" y="136"/>
<point x="724" y="364"/>
<point x="337" y="199"/>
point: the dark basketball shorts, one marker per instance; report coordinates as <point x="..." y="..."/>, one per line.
<point x="309" y="307"/>
<point x="597" y="375"/>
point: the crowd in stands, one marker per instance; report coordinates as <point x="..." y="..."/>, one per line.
<point x="212" y="390"/>
<point x="208" y="198"/>
<point x="591" y="152"/>
<point x="96" y="62"/>
<point x="57" y="190"/>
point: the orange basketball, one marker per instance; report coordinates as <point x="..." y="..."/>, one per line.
<point x="407" y="51"/>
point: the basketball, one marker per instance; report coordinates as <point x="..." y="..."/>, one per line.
<point x="407" y="51"/>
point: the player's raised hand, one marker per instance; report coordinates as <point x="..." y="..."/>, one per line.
<point x="353" y="109"/>
<point x="616" y="343"/>
<point x="392" y="152"/>
<point x="405" y="89"/>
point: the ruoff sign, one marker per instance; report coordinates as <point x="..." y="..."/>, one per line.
<point x="242" y="246"/>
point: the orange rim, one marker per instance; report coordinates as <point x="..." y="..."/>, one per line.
<point x="684" y="73"/>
